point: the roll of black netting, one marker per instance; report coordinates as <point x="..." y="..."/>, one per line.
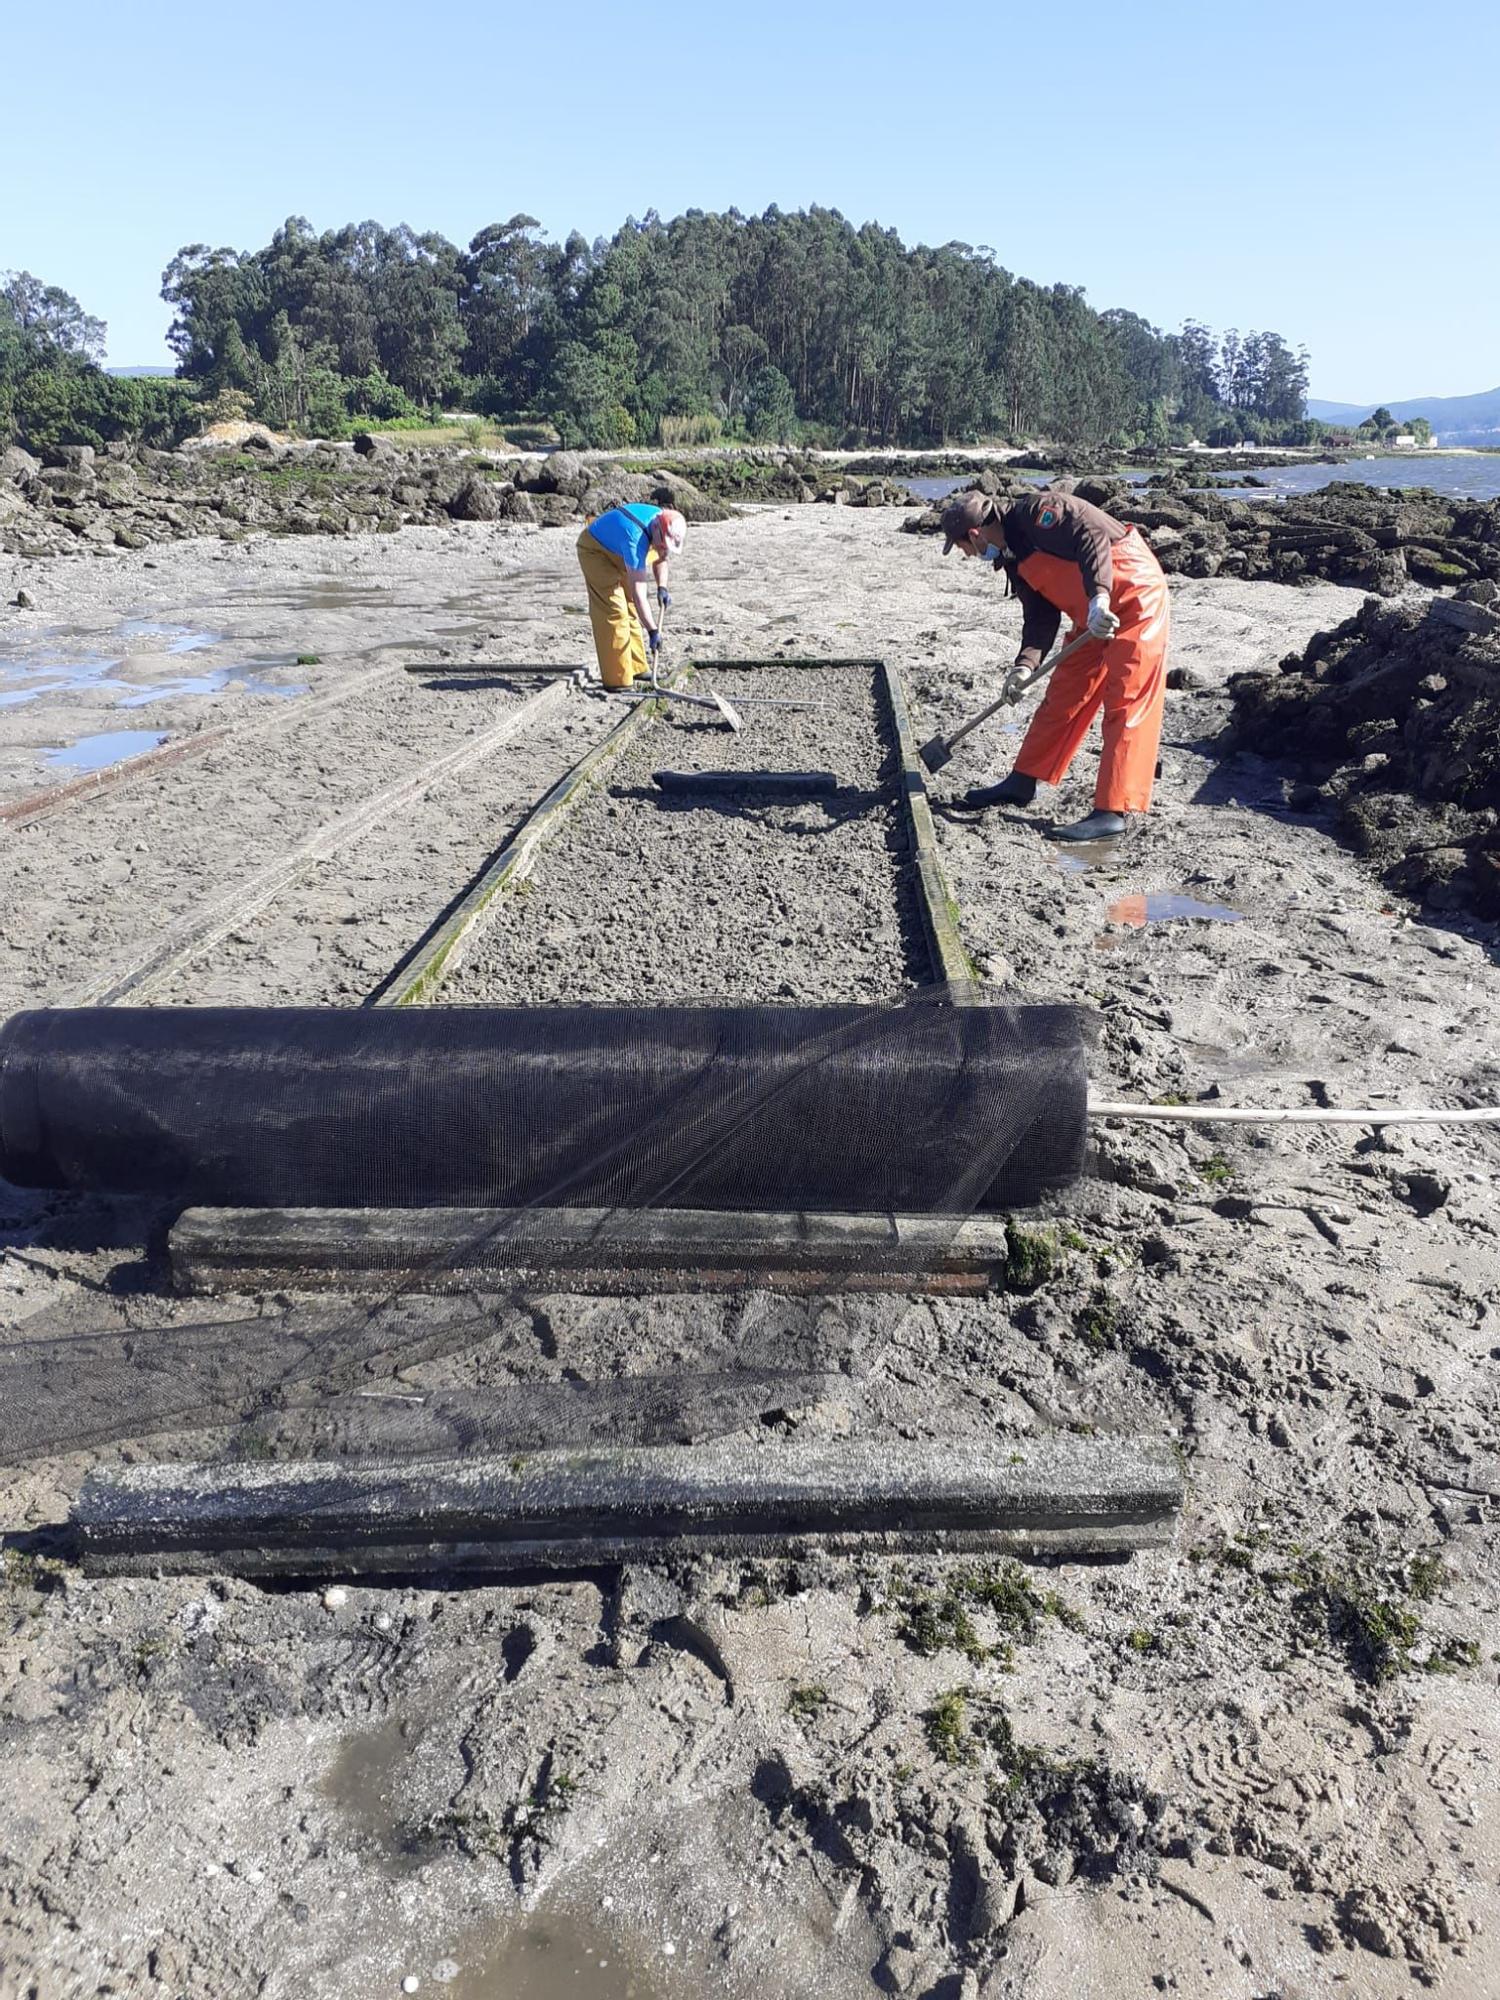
<point x="918" y="1108"/>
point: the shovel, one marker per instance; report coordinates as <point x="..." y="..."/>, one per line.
<point x="939" y="749"/>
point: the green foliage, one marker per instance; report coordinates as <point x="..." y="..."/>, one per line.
<point x="770" y="408"/>
<point x="1215" y="1170"/>
<point x="806" y="1702"/>
<point x="1033" y="1258"/>
<point x="947" y="1727"/>
<point x="375" y="395"/>
<point x="932" y="1621"/>
<point x="1097" y="1323"/>
<point x="772" y="326"/>
<point x="704" y="428"/>
<point x="21" y="1570"/>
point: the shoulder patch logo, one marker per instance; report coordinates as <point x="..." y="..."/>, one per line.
<point x="1047" y="518"/>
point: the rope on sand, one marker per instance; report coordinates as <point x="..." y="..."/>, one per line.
<point x="1240" y="1114"/>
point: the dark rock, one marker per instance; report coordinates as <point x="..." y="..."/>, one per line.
<point x="71" y="457"/>
<point x="516" y="506"/>
<point x="25" y="601"/>
<point x="374" y="444"/>
<point x="475" y="500"/>
<point x="1188" y="677"/>
<point x="563" y="472"/>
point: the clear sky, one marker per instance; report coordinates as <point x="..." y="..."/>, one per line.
<point x="1324" y="168"/>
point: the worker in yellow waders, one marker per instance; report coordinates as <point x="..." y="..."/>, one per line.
<point x="618" y="554"/>
<point x="1066" y="558"/>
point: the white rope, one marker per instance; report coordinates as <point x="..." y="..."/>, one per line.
<point x="1239" y="1114"/>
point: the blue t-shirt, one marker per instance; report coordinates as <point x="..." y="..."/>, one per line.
<point x="626" y="532"/>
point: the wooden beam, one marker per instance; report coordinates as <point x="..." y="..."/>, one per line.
<point x="733" y="1497"/>
<point x="115" y="777"/>
<point x="950" y="962"/>
<point x="438" y="1250"/>
<point x="420" y="976"/>
<point x="207" y="925"/>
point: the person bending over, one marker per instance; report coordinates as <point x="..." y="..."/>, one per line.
<point x="1065" y="557"/>
<point x="618" y="553"/>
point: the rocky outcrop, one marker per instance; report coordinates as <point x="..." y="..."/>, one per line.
<point x="1393" y="721"/>
<point x="83" y="502"/>
<point x="1370" y="538"/>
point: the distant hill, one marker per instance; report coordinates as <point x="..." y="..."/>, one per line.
<point x="140" y="371"/>
<point x="1454" y="419"/>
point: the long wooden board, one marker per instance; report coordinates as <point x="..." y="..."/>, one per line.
<point x="115" y="777"/>
<point x="440" y="1250"/>
<point x="950" y="962"/>
<point x="207" y="925"/>
<point x="420" y="977"/>
<point x="735" y="1496"/>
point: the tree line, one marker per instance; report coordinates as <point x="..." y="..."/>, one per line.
<point x="777" y="327"/>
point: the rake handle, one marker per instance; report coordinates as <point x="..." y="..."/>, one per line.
<point x="1014" y="689"/>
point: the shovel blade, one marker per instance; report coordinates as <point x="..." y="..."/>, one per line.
<point x="730" y="714"/>
<point x="935" y="754"/>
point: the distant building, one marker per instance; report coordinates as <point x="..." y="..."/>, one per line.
<point x="1404" y="441"/>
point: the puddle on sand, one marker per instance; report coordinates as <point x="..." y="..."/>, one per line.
<point x="549" y="1957"/>
<point x="1159" y="906"/>
<point x="30" y="676"/>
<point x="362" y="1782"/>
<point x="1084" y="855"/>
<point x="96" y="753"/>
<point x="244" y="678"/>
<point x="180" y="638"/>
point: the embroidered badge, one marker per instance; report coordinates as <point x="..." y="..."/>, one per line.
<point x="1047" y="518"/>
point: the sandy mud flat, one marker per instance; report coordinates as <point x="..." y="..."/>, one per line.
<point x="1262" y="1760"/>
<point x="691" y="896"/>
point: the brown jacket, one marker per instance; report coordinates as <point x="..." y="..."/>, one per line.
<point x="1055" y="524"/>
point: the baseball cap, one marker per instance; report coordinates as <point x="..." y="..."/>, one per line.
<point x="962" y="516"/>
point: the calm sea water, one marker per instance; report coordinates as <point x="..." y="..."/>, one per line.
<point x="1467" y="477"/>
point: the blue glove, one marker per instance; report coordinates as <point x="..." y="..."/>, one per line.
<point x="653" y="640"/>
<point x="664" y="598"/>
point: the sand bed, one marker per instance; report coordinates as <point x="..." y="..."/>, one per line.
<point x="651" y="895"/>
<point x="1228" y="1786"/>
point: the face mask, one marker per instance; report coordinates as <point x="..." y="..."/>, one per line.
<point x="990" y="553"/>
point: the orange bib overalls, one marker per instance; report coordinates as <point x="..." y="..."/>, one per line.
<point x="1125" y="675"/>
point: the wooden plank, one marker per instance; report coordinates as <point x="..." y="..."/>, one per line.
<point x="115" y="777"/>
<point x="735" y="1496"/>
<point x="419" y="978"/>
<point x="439" y="1250"/>
<point x="201" y="928"/>
<point x="950" y="962"/>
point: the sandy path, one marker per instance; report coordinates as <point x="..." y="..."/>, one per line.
<point x="230" y="1786"/>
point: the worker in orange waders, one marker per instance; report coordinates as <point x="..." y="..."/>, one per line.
<point x="618" y="553"/>
<point x="1066" y="557"/>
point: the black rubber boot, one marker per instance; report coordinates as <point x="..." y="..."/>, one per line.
<point x="1016" y="790"/>
<point x="1097" y="826"/>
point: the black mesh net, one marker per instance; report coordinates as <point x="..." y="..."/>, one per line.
<point x="924" y="1109"/>
<point x="920" y="1109"/>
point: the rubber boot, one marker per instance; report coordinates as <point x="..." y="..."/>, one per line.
<point x="1016" y="790"/>
<point x="1097" y="826"/>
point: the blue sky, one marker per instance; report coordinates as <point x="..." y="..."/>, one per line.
<point x="1325" y="169"/>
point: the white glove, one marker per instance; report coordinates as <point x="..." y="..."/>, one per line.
<point x="1103" y="623"/>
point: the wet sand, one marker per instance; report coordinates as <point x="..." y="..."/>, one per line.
<point x="1241" y="1799"/>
